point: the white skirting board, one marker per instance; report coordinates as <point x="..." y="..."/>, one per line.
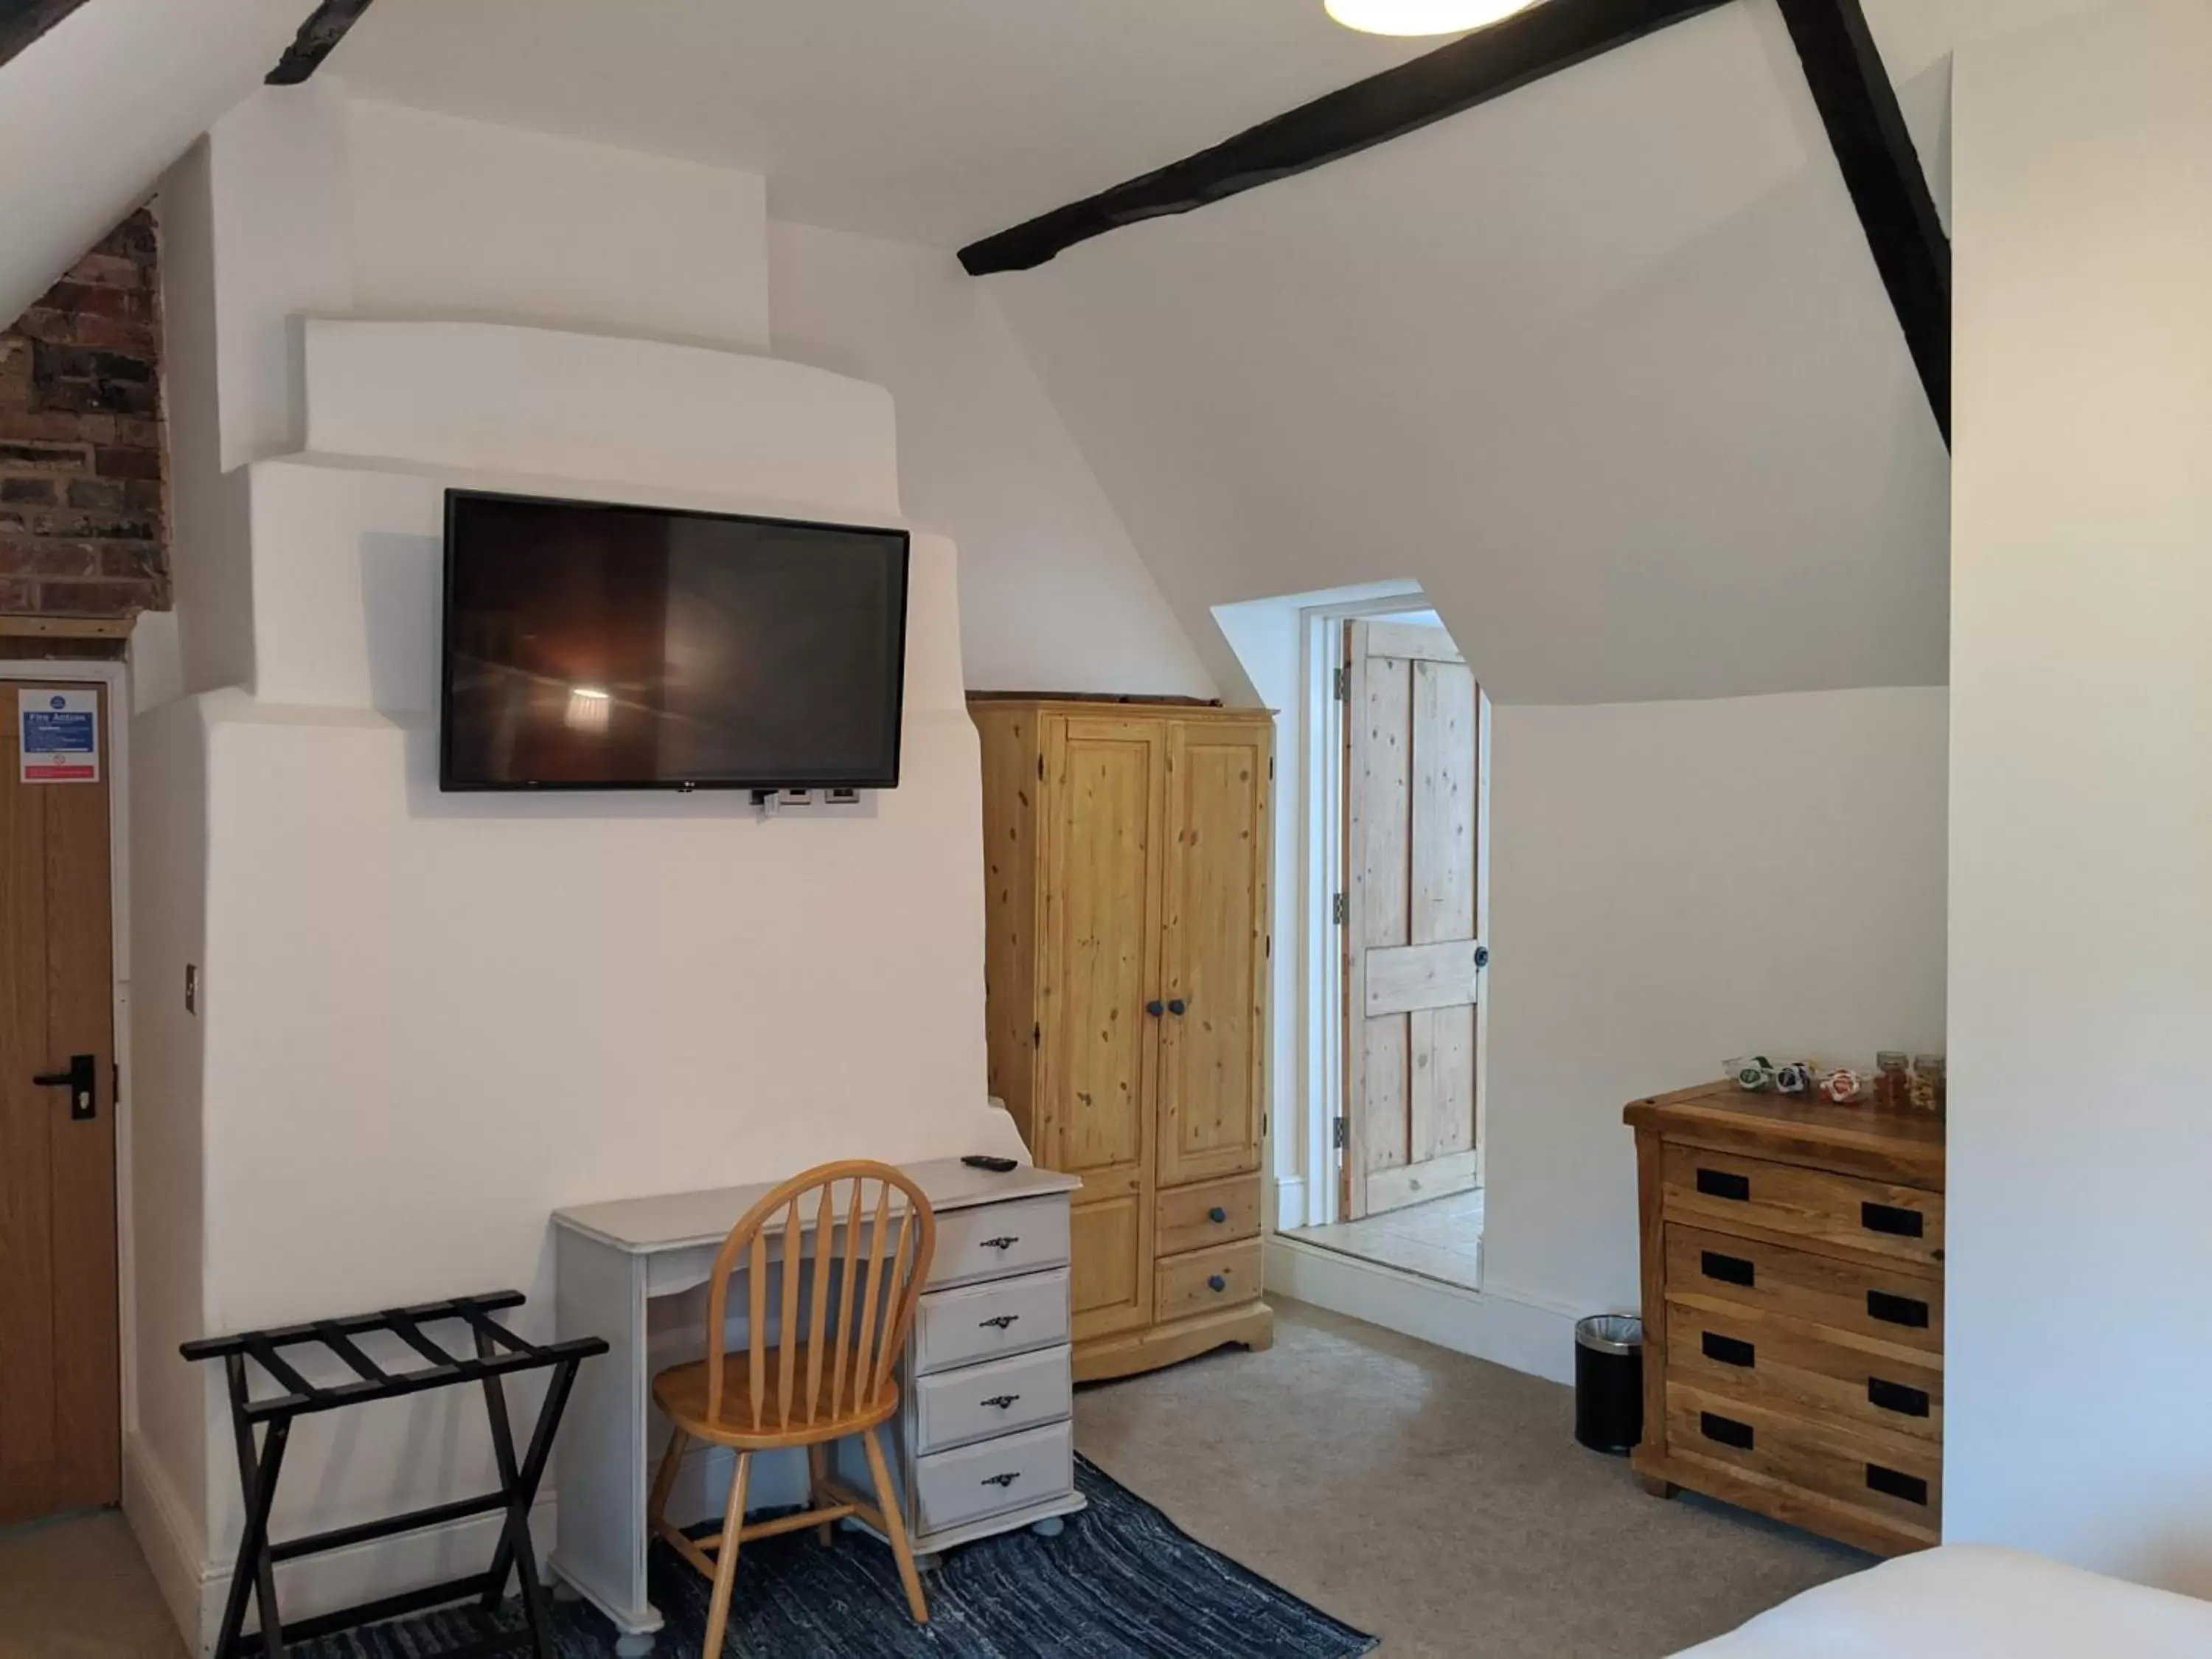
<point x="194" y="1586"/>
<point x="1534" y="1337"/>
<point x="1289" y="1202"/>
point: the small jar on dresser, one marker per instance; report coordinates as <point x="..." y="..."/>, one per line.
<point x="1793" y="1311"/>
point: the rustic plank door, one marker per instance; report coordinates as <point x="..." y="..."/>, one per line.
<point x="1213" y="1034"/>
<point x="1105" y="856"/>
<point x="1416" y="808"/>
<point x="60" y="1428"/>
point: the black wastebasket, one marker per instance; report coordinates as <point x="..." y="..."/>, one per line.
<point x="1609" y="1382"/>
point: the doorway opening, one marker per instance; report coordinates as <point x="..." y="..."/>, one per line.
<point x="1396" y="980"/>
<point x="1383" y="888"/>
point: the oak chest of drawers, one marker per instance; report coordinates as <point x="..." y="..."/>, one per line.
<point x="1793" y="1311"/>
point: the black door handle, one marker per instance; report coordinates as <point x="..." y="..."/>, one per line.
<point x="81" y="1080"/>
<point x="1156" y="1008"/>
<point x="1177" y="1005"/>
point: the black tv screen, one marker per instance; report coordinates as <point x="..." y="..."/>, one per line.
<point x="590" y="646"/>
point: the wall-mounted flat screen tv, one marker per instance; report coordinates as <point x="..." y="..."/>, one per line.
<point x="590" y="646"/>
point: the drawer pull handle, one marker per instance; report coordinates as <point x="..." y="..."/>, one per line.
<point x="1891" y="1483"/>
<point x="1728" y="1351"/>
<point x="1217" y="1215"/>
<point x="1894" y="1219"/>
<point x="1001" y="1481"/>
<point x="1720" y="1183"/>
<point x="1727" y="1269"/>
<point x="1002" y="1401"/>
<point x="1004" y="1242"/>
<point x="1896" y="1397"/>
<point x="1216" y="1282"/>
<point x="996" y="1322"/>
<point x="1906" y="1310"/>
<point x="1726" y="1430"/>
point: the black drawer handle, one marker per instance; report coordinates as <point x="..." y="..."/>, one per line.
<point x="1006" y="1242"/>
<point x="1217" y="1215"/>
<point x="1891" y="1483"/>
<point x="1001" y="1400"/>
<point x="1719" y="1183"/>
<point x="1001" y="1481"/>
<point x="997" y="1322"/>
<point x="1896" y="1397"/>
<point x="1728" y="1269"/>
<point x="1728" y="1351"/>
<point x="1726" y="1430"/>
<point x="1906" y="1310"/>
<point x="1216" y="1282"/>
<point x="1894" y="1219"/>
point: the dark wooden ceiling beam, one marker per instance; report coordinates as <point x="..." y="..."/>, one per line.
<point x="318" y="38"/>
<point x="1471" y="70"/>
<point x="23" y="21"/>
<point x="1881" y="169"/>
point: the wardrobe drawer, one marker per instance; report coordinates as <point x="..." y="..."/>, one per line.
<point x="1212" y="1212"/>
<point x="1220" y="1277"/>
<point x="1896" y="1480"/>
<point x="1795" y="1367"/>
<point x="988" y="1322"/>
<point x="978" y="1403"/>
<point x="1722" y="1190"/>
<point x="953" y="1488"/>
<point x="993" y="1240"/>
<point x="1712" y="1269"/>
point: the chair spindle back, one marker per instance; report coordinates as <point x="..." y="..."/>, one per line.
<point x="856" y="1321"/>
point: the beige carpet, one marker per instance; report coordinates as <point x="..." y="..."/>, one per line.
<point x="1437" y="1501"/>
<point x="78" y="1588"/>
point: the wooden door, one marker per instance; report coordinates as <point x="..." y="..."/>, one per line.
<point x="1213" y="1036"/>
<point x="59" y="1416"/>
<point x="1106" y="836"/>
<point x="1417" y="806"/>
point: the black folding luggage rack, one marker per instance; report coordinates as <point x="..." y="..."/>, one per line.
<point x="499" y="1353"/>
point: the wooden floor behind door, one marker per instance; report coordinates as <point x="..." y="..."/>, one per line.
<point x="60" y="1413"/>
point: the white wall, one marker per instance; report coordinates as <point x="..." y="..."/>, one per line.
<point x="428" y="1020"/>
<point x="447" y="214"/>
<point x="1054" y="596"/>
<point x="2081" y="796"/>
<point x="167" y="1460"/>
<point x="1672" y="884"/>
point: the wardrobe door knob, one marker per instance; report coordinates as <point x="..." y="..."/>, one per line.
<point x="1177" y="1006"/>
<point x="1156" y="1008"/>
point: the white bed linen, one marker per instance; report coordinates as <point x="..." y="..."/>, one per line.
<point x="1971" y="1601"/>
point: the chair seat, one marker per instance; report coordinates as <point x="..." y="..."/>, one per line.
<point x="681" y="1393"/>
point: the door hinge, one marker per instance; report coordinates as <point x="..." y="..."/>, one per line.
<point x="1340" y="1133"/>
<point x="1339" y="910"/>
<point x="1040" y="766"/>
<point x="1343" y="685"/>
<point x="1036" y="1036"/>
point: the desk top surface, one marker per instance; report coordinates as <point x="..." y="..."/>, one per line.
<point x="679" y="1221"/>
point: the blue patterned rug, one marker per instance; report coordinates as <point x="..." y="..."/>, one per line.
<point x="1122" y="1582"/>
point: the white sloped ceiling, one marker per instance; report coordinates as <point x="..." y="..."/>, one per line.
<point x="93" y="113"/>
<point x="1606" y="365"/>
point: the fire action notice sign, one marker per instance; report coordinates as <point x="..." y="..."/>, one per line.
<point x="60" y="733"/>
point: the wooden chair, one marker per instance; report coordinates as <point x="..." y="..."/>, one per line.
<point x="839" y="1381"/>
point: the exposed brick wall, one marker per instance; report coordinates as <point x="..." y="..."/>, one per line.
<point x="83" y="487"/>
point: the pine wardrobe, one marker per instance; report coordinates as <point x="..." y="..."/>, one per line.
<point x="1127" y="856"/>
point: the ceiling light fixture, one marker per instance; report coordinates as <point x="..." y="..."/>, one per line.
<point x="1422" y="16"/>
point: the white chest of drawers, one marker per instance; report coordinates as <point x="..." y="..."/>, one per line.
<point x="984" y="1439"/>
<point x="981" y="1444"/>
